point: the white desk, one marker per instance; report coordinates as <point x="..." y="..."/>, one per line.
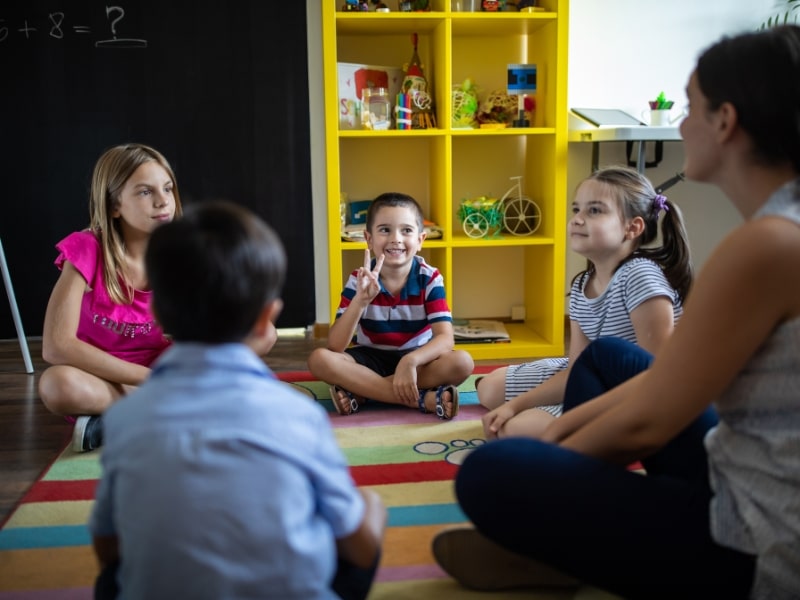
<point x="581" y="130"/>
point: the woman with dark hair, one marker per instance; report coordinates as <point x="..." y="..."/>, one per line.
<point x="714" y="417"/>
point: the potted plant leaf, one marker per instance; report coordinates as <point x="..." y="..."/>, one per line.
<point x="787" y="16"/>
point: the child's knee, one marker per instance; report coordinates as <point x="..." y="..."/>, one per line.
<point x="492" y="389"/>
<point x="530" y="423"/>
<point x="464" y="363"/>
<point x="318" y="360"/>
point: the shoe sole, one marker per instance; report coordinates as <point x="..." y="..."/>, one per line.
<point x="78" y="433"/>
<point x="479" y="564"/>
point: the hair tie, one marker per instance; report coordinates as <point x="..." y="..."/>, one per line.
<point x="660" y="203"/>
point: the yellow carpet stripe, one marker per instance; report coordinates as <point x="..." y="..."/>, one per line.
<point x="48" y="514"/>
<point x="408" y="435"/>
<point x="413" y="494"/>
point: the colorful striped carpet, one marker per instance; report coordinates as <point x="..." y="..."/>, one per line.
<point x="408" y="457"/>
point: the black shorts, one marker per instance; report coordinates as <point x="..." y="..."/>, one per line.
<point x="383" y="362"/>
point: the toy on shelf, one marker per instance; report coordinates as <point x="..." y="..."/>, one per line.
<point x="501" y="109"/>
<point x="416" y="87"/>
<point x="465" y="105"/>
<point x="481" y="216"/>
<point x="514" y="213"/>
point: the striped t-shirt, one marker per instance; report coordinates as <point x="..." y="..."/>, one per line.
<point x="636" y="281"/>
<point x="400" y="322"/>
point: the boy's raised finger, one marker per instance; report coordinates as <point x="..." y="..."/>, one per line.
<point x="378" y="265"/>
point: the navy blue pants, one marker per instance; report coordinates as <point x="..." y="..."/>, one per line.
<point x="637" y="536"/>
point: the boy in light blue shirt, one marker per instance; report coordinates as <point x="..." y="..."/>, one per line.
<point x="219" y="481"/>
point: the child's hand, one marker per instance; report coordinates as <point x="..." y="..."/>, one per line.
<point x="494" y="420"/>
<point x="404" y="383"/>
<point x="368" y="284"/>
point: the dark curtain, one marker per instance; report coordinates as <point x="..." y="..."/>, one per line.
<point x="207" y="83"/>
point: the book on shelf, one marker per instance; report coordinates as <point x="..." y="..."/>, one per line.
<point x="480" y="330"/>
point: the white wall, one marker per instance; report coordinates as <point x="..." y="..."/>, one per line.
<point x="621" y="54"/>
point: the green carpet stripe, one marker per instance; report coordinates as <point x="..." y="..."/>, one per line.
<point x="382" y="455"/>
<point x="72" y="467"/>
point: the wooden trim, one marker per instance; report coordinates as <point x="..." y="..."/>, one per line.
<point x="321" y="330"/>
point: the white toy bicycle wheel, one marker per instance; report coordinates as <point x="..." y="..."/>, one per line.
<point x="475" y="225"/>
<point x="521" y="216"/>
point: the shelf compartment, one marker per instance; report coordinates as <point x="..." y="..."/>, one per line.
<point x="500" y="24"/>
<point x="355" y="23"/>
<point x="526" y="344"/>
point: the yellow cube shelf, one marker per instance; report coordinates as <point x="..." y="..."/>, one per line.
<point x="440" y="167"/>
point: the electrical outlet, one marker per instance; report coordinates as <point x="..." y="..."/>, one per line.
<point x="517" y="313"/>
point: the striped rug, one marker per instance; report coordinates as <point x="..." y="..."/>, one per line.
<point x="409" y="458"/>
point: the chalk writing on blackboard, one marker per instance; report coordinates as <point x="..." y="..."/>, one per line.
<point x="57" y="28"/>
<point x="118" y="42"/>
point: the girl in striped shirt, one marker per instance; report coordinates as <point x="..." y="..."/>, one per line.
<point x="631" y="289"/>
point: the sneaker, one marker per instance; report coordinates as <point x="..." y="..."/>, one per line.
<point x="478" y="563"/>
<point x="88" y="433"/>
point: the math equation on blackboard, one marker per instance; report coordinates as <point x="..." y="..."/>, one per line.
<point x="59" y="26"/>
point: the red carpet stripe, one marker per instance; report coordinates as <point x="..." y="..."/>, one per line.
<point x="290" y="376"/>
<point x="403" y="473"/>
<point x="56" y="491"/>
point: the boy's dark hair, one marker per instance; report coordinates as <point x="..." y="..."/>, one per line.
<point x="393" y="199"/>
<point x="212" y="271"/>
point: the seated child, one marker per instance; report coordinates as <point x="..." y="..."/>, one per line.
<point x="403" y="351"/>
<point x="220" y="481"/>
<point x="99" y="334"/>
<point x="638" y="273"/>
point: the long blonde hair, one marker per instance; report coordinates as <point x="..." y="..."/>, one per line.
<point x="112" y="170"/>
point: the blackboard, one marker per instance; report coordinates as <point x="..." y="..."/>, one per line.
<point x="219" y="87"/>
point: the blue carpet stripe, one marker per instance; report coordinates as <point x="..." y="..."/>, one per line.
<point x="426" y="514"/>
<point x="24" y="538"/>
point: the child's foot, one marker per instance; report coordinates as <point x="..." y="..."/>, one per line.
<point x="345" y="403"/>
<point x="442" y="400"/>
<point x="87" y="433"/>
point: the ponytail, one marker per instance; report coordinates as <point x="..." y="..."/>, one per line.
<point x="673" y="255"/>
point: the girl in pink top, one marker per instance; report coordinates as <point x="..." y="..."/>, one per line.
<point x="100" y="336"/>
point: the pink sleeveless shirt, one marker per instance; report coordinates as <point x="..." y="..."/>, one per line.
<point x="127" y="331"/>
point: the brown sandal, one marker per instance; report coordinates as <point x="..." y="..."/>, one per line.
<point x="344" y="406"/>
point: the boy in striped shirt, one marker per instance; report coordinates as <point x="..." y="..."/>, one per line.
<point x="392" y="340"/>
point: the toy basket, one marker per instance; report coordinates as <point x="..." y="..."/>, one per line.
<point x="481" y="216"/>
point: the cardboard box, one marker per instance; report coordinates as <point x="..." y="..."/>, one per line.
<point x="355" y="77"/>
